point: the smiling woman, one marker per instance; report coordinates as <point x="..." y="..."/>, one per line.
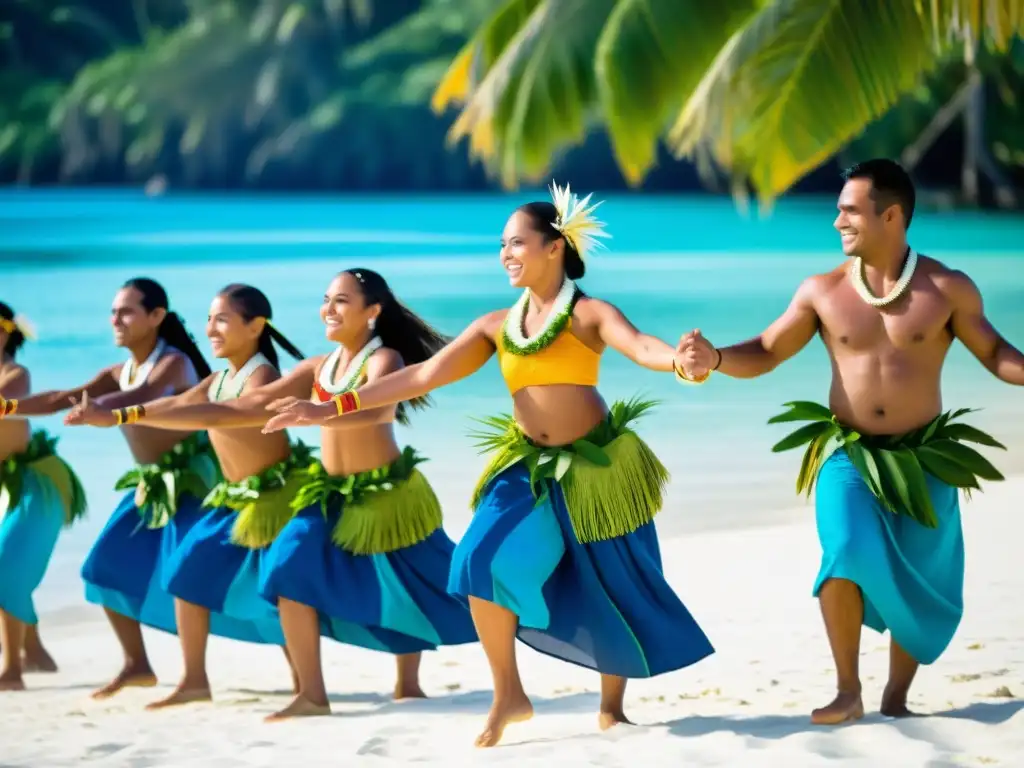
<point x="562" y="550"/>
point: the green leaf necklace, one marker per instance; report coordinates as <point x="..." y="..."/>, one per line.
<point x="513" y="335"/>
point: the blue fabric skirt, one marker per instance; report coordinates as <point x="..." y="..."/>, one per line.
<point x="124" y="569"/>
<point x="208" y="569"/>
<point x="28" y="534"/>
<point x="911" y="577"/>
<point x="604" y="605"/>
<point x="394" y="602"/>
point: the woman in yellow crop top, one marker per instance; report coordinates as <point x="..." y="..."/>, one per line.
<point x="562" y="551"/>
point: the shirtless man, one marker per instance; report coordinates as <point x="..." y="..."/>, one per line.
<point x="888" y="318"/>
<point x="164" y="360"/>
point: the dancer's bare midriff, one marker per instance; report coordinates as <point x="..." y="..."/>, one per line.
<point x="558" y="414"/>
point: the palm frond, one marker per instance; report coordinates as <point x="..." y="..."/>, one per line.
<point x="481" y="52"/>
<point x="801" y="79"/>
<point x="537" y="97"/>
<point x="650" y="56"/>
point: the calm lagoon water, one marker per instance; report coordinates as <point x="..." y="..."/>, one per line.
<point x="674" y="263"/>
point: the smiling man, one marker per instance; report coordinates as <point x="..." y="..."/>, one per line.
<point x="887" y="462"/>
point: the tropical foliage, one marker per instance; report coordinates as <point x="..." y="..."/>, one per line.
<point x="338" y="93"/>
<point x="767" y="89"/>
<point x="224" y="92"/>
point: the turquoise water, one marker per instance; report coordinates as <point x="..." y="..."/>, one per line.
<point x="674" y="263"/>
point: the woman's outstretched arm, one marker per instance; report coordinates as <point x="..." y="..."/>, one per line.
<point x="250" y="410"/>
<point x="462" y="357"/>
<point x="621" y="335"/>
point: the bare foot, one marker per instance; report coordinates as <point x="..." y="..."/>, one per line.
<point x="895" y="705"/>
<point x="409" y="691"/>
<point x="606" y="720"/>
<point x="300" y="707"/>
<point x="516" y="711"/>
<point x="844" y="707"/>
<point x="38" y="660"/>
<point x="132" y="676"/>
<point x="182" y="695"/>
<point x="9" y="681"/>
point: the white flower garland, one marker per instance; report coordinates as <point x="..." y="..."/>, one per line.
<point x="132" y="377"/>
<point x="230" y="387"/>
<point x="512" y="329"/>
<point x="353" y="372"/>
<point x="861" y="286"/>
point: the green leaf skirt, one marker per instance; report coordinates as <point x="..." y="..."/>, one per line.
<point x="612" y="481"/>
<point x="893" y="467"/>
<point x="263" y="502"/>
<point x="383" y="509"/>
<point x="190" y="467"/>
<point x="41" y="457"/>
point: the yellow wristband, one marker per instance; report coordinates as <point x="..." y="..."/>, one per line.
<point x="119" y="416"/>
<point x="682" y="378"/>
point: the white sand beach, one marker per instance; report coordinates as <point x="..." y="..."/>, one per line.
<point x="746" y="706"/>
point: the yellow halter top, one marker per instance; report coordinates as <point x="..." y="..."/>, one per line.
<point x="566" y="360"/>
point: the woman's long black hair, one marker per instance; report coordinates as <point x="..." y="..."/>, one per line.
<point x="250" y="303"/>
<point x="399" y="329"/>
<point x="543" y="215"/>
<point x="172" y="330"/>
<point x="15" y="338"/>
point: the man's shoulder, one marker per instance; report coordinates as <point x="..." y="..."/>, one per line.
<point x="942" y="275"/>
<point x="822" y="283"/>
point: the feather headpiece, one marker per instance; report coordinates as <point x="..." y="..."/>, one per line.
<point x="576" y="220"/>
<point x="19" y="323"/>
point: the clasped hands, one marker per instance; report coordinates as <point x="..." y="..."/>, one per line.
<point x="696" y="357"/>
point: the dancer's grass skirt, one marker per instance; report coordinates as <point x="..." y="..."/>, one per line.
<point x="911" y="575"/>
<point x="209" y="569"/>
<point x="392" y="601"/>
<point x="604" y="605"/>
<point x="28" y="534"/>
<point x="124" y="569"/>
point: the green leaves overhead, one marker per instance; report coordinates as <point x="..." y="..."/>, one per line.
<point x="799" y="81"/>
<point x="650" y="52"/>
<point x="539" y="72"/>
<point x="892" y="467"/>
<point x="767" y="88"/>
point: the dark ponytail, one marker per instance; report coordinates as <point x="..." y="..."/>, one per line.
<point x="172" y="330"/>
<point x="399" y="329"/>
<point x="544" y="215"/>
<point x="251" y="303"/>
<point x="15" y="338"/>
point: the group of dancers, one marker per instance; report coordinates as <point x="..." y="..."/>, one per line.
<point x="228" y="526"/>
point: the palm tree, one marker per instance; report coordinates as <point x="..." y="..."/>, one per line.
<point x="766" y="89"/>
